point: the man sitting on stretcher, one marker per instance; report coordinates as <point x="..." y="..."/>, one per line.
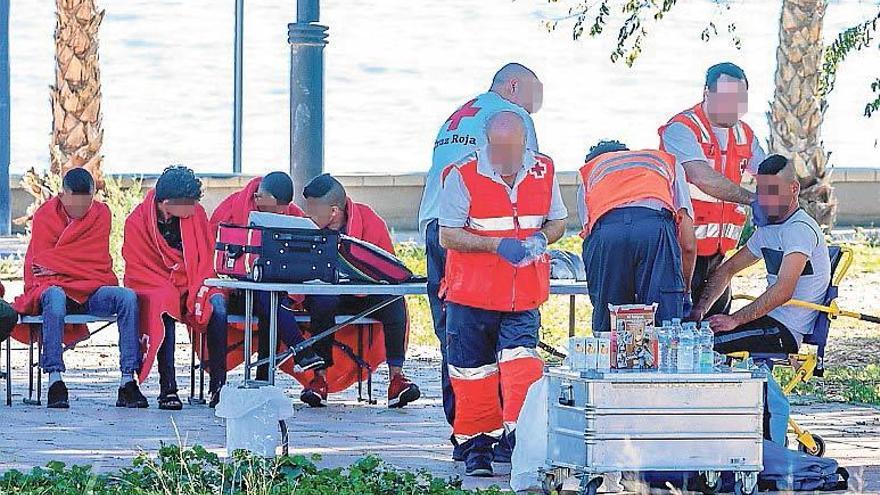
<point x="798" y="267"/>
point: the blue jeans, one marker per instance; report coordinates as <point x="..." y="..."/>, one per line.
<point x="632" y="256"/>
<point x="106" y="301"/>
<point x="436" y="255"/>
<point x="217" y="347"/>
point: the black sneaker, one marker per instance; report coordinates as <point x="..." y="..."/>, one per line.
<point x="130" y="396"/>
<point x="503" y="450"/>
<point x="306" y="359"/>
<point x="57" y="396"/>
<point x="479" y="463"/>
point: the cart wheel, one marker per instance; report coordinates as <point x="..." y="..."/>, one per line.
<point x="257" y="273"/>
<point x="592" y="487"/>
<point x="746" y="484"/>
<point x="549" y="486"/>
<point x="708" y="483"/>
<point x="819" y="451"/>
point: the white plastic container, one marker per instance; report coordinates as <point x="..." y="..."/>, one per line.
<point x="252" y="418"/>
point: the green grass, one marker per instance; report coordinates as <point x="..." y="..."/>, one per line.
<point x="195" y="471"/>
<point x="554" y="314"/>
<point x="840" y="384"/>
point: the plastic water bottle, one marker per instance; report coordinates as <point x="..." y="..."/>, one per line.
<point x="707" y="348"/>
<point x="664" y="343"/>
<point x="674" y="349"/>
<point x="686" y="341"/>
<point x="698" y="346"/>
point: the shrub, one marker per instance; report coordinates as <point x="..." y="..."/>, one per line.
<point x="195" y="471"/>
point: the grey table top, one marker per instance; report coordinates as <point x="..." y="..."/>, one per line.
<point x="561" y="287"/>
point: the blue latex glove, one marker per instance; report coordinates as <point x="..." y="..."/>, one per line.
<point x="687" y="305"/>
<point x="536" y="246"/>
<point x="512" y="250"/>
<point x="759" y="217"/>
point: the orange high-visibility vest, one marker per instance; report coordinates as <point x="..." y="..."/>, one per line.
<point x="614" y="179"/>
<point x="717" y="224"/>
<point x="486" y="280"/>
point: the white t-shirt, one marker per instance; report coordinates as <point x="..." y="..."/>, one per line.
<point x="799" y="234"/>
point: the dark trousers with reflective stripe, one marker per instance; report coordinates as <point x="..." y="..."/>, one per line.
<point x="436" y="270"/>
<point x="632" y="256"/>
<point x="764" y="335"/>
<point x="703" y="269"/>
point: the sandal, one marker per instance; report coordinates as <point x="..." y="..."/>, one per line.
<point x="170" y="402"/>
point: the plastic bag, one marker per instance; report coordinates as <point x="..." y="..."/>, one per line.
<point x="530" y="452"/>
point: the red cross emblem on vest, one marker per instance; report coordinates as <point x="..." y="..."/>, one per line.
<point x="538" y="171"/>
<point x="467" y="110"/>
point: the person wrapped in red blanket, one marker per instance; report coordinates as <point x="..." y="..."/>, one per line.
<point x="168" y="255"/>
<point x="273" y="194"/>
<point x="68" y="270"/>
<point x="328" y="205"/>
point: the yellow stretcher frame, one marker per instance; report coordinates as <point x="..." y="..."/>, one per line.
<point x="804" y="364"/>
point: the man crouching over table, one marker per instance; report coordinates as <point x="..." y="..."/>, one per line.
<point x="328" y="205"/>
<point x="500" y="207"/>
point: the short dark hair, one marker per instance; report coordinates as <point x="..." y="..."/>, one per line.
<point x="78" y="181"/>
<point x="326" y="188"/>
<point x="605" y="146"/>
<point x="724" y="69"/>
<point x="178" y="182"/>
<point x="279" y="185"/>
<point x="772" y="165"/>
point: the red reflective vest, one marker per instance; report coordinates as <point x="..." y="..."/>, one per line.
<point x="614" y="179"/>
<point x="486" y="280"/>
<point x="717" y="224"/>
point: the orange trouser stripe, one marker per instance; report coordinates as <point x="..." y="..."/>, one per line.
<point x="517" y="375"/>
<point x="478" y="407"/>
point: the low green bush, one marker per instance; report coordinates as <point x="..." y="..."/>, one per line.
<point x="195" y="471"/>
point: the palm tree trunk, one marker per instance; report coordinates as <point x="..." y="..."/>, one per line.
<point x="797" y="110"/>
<point x="77" y="133"/>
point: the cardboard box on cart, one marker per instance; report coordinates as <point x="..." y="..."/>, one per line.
<point x="633" y="337"/>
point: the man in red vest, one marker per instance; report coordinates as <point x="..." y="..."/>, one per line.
<point x="500" y="207"/>
<point x="715" y="147"/>
<point x="638" y="231"/>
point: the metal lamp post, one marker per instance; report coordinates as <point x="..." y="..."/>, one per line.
<point x="5" y="196"/>
<point x="307" y="41"/>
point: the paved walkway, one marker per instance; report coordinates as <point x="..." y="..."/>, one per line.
<point x="94" y="432"/>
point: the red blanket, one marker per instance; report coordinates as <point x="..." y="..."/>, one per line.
<point x="77" y="250"/>
<point x="365" y="224"/>
<point x="235" y="210"/>
<point x="237" y="206"/>
<point x="167" y="281"/>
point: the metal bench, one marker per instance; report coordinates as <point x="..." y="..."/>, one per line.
<point x="35" y="324"/>
<point x="354" y="355"/>
<point x="35" y="376"/>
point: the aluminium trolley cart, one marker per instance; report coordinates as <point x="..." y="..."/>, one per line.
<point x="648" y="421"/>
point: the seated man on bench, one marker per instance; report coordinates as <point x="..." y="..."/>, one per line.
<point x="328" y="205"/>
<point x="168" y="255"/>
<point x="68" y="270"/>
<point x="796" y="257"/>
<point x="272" y="194"/>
